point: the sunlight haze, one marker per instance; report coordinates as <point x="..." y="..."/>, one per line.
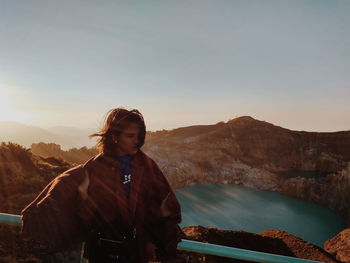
<point x="180" y="63"/>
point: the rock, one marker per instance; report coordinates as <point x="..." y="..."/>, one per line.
<point x="339" y="246"/>
<point x="270" y="241"/>
<point x="299" y="247"/>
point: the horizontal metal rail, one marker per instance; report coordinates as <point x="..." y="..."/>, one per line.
<point x="9" y="219"/>
<point x="200" y="247"/>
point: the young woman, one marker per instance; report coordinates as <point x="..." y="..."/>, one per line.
<point x="119" y="202"/>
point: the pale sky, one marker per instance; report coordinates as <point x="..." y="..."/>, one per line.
<point x="179" y="62"/>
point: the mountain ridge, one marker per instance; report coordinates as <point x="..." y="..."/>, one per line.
<point x="70" y="137"/>
<point x="25" y="135"/>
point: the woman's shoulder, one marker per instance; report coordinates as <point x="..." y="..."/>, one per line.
<point x="146" y="158"/>
<point x="153" y="167"/>
<point x="73" y="170"/>
<point x="72" y="174"/>
<point x="78" y="171"/>
<point x="142" y="154"/>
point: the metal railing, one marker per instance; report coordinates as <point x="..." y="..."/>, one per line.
<point x="200" y="247"/>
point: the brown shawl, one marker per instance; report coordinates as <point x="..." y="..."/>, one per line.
<point x="59" y="218"/>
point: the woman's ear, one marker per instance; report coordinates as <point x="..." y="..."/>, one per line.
<point x="114" y="138"/>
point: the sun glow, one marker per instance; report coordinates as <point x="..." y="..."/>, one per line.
<point x="8" y="109"/>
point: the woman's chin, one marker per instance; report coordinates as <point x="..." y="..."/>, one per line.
<point x="133" y="151"/>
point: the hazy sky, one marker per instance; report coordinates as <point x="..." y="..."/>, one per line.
<point x="179" y="62"/>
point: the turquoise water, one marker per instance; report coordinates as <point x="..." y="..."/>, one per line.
<point x="235" y="207"/>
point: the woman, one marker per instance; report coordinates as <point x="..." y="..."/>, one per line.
<point x="119" y="202"/>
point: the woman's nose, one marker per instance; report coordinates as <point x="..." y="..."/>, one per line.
<point x="136" y="141"/>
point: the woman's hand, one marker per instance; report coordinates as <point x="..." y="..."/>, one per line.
<point x="84" y="186"/>
<point x="151" y="251"/>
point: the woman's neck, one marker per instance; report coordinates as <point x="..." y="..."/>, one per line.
<point x="120" y="152"/>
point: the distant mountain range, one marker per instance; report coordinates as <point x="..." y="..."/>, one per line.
<point x="67" y="137"/>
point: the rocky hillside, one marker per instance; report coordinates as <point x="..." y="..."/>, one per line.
<point x="312" y="166"/>
<point x="23" y="175"/>
<point x="258" y="144"/>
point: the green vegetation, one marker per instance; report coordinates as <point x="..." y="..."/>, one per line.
<point x="22" y="176"/>
<point x="73" y="155"/>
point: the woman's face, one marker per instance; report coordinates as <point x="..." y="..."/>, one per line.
<point x="128" y="139"/>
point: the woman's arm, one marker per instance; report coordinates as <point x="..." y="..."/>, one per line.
<point x="166" y="212"/>
<point x="87" y="206"/>
<point x="50" y="218"/>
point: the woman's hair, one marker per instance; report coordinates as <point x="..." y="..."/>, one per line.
<point x="116" y="120"/>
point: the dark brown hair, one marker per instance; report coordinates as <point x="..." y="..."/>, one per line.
<point x="115" y="122"/>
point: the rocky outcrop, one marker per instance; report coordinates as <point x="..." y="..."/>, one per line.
<point x="271" y="241"/>
<point x="331" y="191"/>
<point x="299" y="247"/>
<point x="339" y="246"/>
